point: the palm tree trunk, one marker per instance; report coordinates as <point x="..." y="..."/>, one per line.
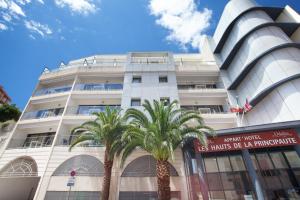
<point x="163" y="180"/>
<point x="107" y="175"/>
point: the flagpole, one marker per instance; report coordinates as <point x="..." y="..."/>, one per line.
<point x="242" y="117"/>
<point x="238" y="113"/>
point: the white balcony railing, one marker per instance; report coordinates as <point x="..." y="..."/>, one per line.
<point x="67" y="140"/>
<point x="43" y="113"/>
<point x="31" y="142"/>
<point x="99" y="86"/>
<point x="86" y="66"/>
<point x="88" y="110"/>
<point x="206" y="110"/>
<point x="47" y="91"/>
<point x="149" y="60"/>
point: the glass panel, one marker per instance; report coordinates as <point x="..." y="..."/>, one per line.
<point x="293" y="159"/>
<point x="137" y="79"/>
<point x="264" y="161"/>
<point x="237" y="163"/>
<point x="285" y="179"/>
<point x="135" y="102"/>
<point x="224" y="164"/>
<point x="228" y="181"/>
<point x="163" y="79"/>
<point x="297" y="175"/>
<point x="271" y="179"/>
<point x="278" y="160"/>
<point x="254" y="162"/>
<point x="214" y="182"/>
<point x="217" y="195"/>
<point x="211" y="164"/>
<point x="232" y="195"/>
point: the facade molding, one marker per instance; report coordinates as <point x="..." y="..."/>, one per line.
<point x="252" y="64"/>
<point x="288" y="28"/>
<point x="273" y="12"/>
<point x="260" y="96"/>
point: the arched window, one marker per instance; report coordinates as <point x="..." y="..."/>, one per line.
<point x="24" y="166"/>
<point x="144" y="166"/>
<point x="84" y="165"/>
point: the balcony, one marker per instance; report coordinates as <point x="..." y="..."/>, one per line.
<point x="100" y="66"/>
<point x="66" y="141"/>
<point x="48" y="113"/>
<point x="214" y="116"/>
<point x="150" y="58"/>
<point x="88" y="110"/>
<point x="206" y="109"/>
<point x="55" y="90"/>
<point x="99" y="87"/>
<point x="203" y="94"/>
<point x="32" y="141"/>
<point x="196" y="67"/>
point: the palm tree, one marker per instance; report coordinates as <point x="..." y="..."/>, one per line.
<point x="105" y="129"/>
<point x="159" y="131"/>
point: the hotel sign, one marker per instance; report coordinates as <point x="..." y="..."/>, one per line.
<point x="249" y="141"/>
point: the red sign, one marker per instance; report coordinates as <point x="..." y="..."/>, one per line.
<point x="249" y="141"/>
<point x="73" y="173"/>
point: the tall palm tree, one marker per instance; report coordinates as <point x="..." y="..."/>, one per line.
<point x="105" y="129"/>
<point x="159" y="131"/>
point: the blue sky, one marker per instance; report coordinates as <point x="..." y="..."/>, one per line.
<point x="39" y="33"/>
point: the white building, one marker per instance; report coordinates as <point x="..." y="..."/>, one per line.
<point x="253" y="54"/>
<point x="65" y="98"/>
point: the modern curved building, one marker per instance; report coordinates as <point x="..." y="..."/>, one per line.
<point x="257" y="50"/>
<point x="254" y="54"/>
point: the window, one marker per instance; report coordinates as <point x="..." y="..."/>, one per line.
<point x="211" y="164"/>
<point x="165" y="100"/>
<point x="136" y="79"/>
<point x="135" y="102"/>
<point x="163" y="79"/>
<point x="293" y="159"/>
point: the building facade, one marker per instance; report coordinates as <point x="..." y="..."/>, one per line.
<point x="253" y="54"/>
<point x="36" y="157"/>
<point x="4" y="98"/>
<point x="257" y="51"/>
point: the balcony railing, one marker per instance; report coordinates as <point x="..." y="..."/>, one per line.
<point x="43" y="113"/>
<point x="52" y="90"/>
<point x="198" y="87"/>
<point x="100" y="86"/>
<point x="31" y="142"/>
<point x="85" y="66"/>
<point x="67" y="141"/>
<point x="149" y="60"/>
<point x="206" y="109"/>
<point x="184" y="62"/>
<point x="87" y="110"/>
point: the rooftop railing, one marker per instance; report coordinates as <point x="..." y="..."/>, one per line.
<point x="150" y="60"/>
<point x="88" y="65"/>
<point x="184" y="62"/>
<point x="99" y="86"/>
<point x="43" y="113"/>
